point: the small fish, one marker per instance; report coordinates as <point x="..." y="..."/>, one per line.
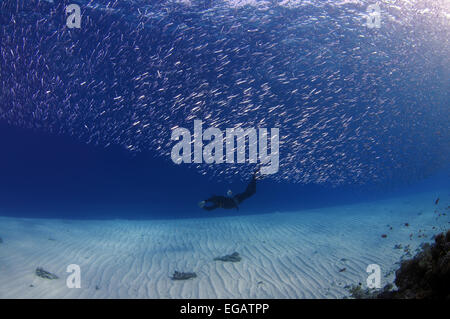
<point x="437" y="201"/>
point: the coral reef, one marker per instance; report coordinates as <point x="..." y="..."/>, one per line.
<point x="427" y="275"/>
<point x="357" y="292"/>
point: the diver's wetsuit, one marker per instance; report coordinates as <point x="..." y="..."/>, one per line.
<point x="231" y="202"/>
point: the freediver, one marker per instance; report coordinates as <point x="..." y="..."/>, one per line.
<point x="230" y="201"/>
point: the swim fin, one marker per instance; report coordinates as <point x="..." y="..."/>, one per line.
<point x="201" y="204"/>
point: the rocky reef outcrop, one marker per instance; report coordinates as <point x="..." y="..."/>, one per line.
<point x="425" y="276"/>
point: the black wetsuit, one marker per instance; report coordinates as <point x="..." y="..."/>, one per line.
<point x="231" y="202"/>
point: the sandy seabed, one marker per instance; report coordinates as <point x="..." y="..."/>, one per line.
<point x="305" y="254"/>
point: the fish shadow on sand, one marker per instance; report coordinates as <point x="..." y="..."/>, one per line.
<point x="234" y="257"/>
<point x="40" y="272"/>
<point x="183" y="275"/>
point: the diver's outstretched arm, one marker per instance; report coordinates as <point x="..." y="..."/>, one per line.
<point x="213" y="200"/>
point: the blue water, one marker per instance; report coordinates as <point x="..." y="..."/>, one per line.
<point x="86" y="114"/>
